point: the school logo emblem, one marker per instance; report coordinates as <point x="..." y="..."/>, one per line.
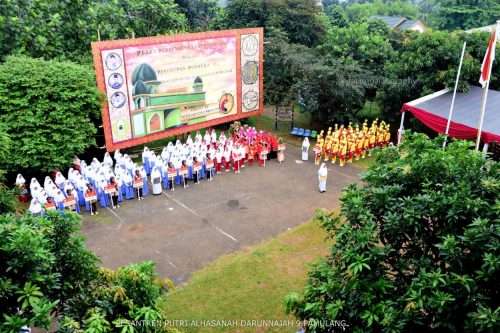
<point x="226" y="103"/>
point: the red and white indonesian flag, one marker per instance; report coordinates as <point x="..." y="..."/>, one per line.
<point x="488" y="59"/>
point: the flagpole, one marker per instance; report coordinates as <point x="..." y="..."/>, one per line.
<point x="454" y="95"/>
<point x="485" y="93"/>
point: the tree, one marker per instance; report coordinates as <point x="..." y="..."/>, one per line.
<point x="199" y="13"/>
<point x="41" y="260"/>
<point x="120" y="18"/>
<point x="336" y="16"/>
<point x="330" y="89"/>
<point x="361" y="43"/>
<point x="7" y="204"/>
<point x="358" y="11"/>
<point x="297" y="18"/>
<point x="417" y="245"/>
<point x="465" y="14"/>
<point x="64" y="29"/>
<point x="48" y="273"/>
<point x="427" y="62"/>
<point x="47" y="108"/>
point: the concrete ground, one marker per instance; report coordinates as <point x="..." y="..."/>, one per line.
<point x="184" y="230"/>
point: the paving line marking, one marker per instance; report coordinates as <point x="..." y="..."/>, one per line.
<point x="225" y="233"/>
<point x="180" y="203"/>
<point x="194" y="213"/>
<point x="119" y="218"/>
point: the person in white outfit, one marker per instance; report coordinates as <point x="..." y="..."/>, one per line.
<point x="322" y="175"/>
<point x="305" y="149"/>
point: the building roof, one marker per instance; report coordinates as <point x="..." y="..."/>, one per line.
<point x="398" y="22"/>
<point x="391" y="21"/>
<point x="407" y="24"/>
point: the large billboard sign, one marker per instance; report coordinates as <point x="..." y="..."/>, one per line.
<point x="166" y="85"/>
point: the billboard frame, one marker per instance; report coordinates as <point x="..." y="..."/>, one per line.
<point x="98" y="47"/>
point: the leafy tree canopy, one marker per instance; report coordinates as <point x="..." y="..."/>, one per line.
<point x="47" y="273"/>
<point x="464" y="14"/>
<point x="297" y="18"/>
<point x="40" y="28"/>
<point x="47" y="109"/>
<point x="417" y="245"/>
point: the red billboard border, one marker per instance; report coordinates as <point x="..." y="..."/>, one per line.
<point x="97" y="47"/>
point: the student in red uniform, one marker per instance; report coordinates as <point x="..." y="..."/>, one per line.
<point x="218" y="159"/>
<point x="236" y="158"/>
<point x="93" y="203"/>
<point x="114" y="196"/>
<point x="138" y="176"/>
<point x="251" y="154"/>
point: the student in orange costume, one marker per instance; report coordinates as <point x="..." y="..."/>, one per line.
<point x="352" y="149"/>
<point x="342" y="152"/>
<point x="335" y="150"/>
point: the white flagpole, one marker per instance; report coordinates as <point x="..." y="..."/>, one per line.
<point x="485" y="95"/>
<point x="454" y="95"/>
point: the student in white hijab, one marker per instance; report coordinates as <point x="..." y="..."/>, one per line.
<point x="60" y="179"/>
<point x="213" y="137"/>
<point x="95" y="164"/>
<point x="34" y="183"/>
<point x="189" y="140"/>
<point x="20" y="180"/>
<point x="156" y="181"/>
<point x="322" y="175"/>
<point x="108" y="160"/>
<point x="117" y="155"/>
<point x="164" y="154"/>
<point x="146" y="155"/>
<point x="145" y="188"/>
<point x="305" y="149"/>
<point x="35" y="207"/>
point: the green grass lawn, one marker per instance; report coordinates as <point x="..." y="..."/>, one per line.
<point x="250" y="284"/>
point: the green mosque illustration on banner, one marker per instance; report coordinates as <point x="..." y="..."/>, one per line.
<point x="157" y="111"/>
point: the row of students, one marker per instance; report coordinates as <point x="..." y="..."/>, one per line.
<point x="176" y="165"/>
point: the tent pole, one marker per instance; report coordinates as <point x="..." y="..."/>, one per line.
<point x="454" y="95"/>
<point x="400" y="131"/>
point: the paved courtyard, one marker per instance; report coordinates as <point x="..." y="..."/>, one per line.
<point x="184" y="230"/>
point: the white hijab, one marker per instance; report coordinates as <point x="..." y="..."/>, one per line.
<point x="155" y="174"/>
<point x="305" y="143"/>
<point x="323" y="171"/>
<point x="35" y="206"/>
<point x="34" y="183"/>
<point x="108" y="160"/>
<point x="20" y="179"/>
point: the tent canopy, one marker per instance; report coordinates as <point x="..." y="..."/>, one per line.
<point x="433" y="111"/>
